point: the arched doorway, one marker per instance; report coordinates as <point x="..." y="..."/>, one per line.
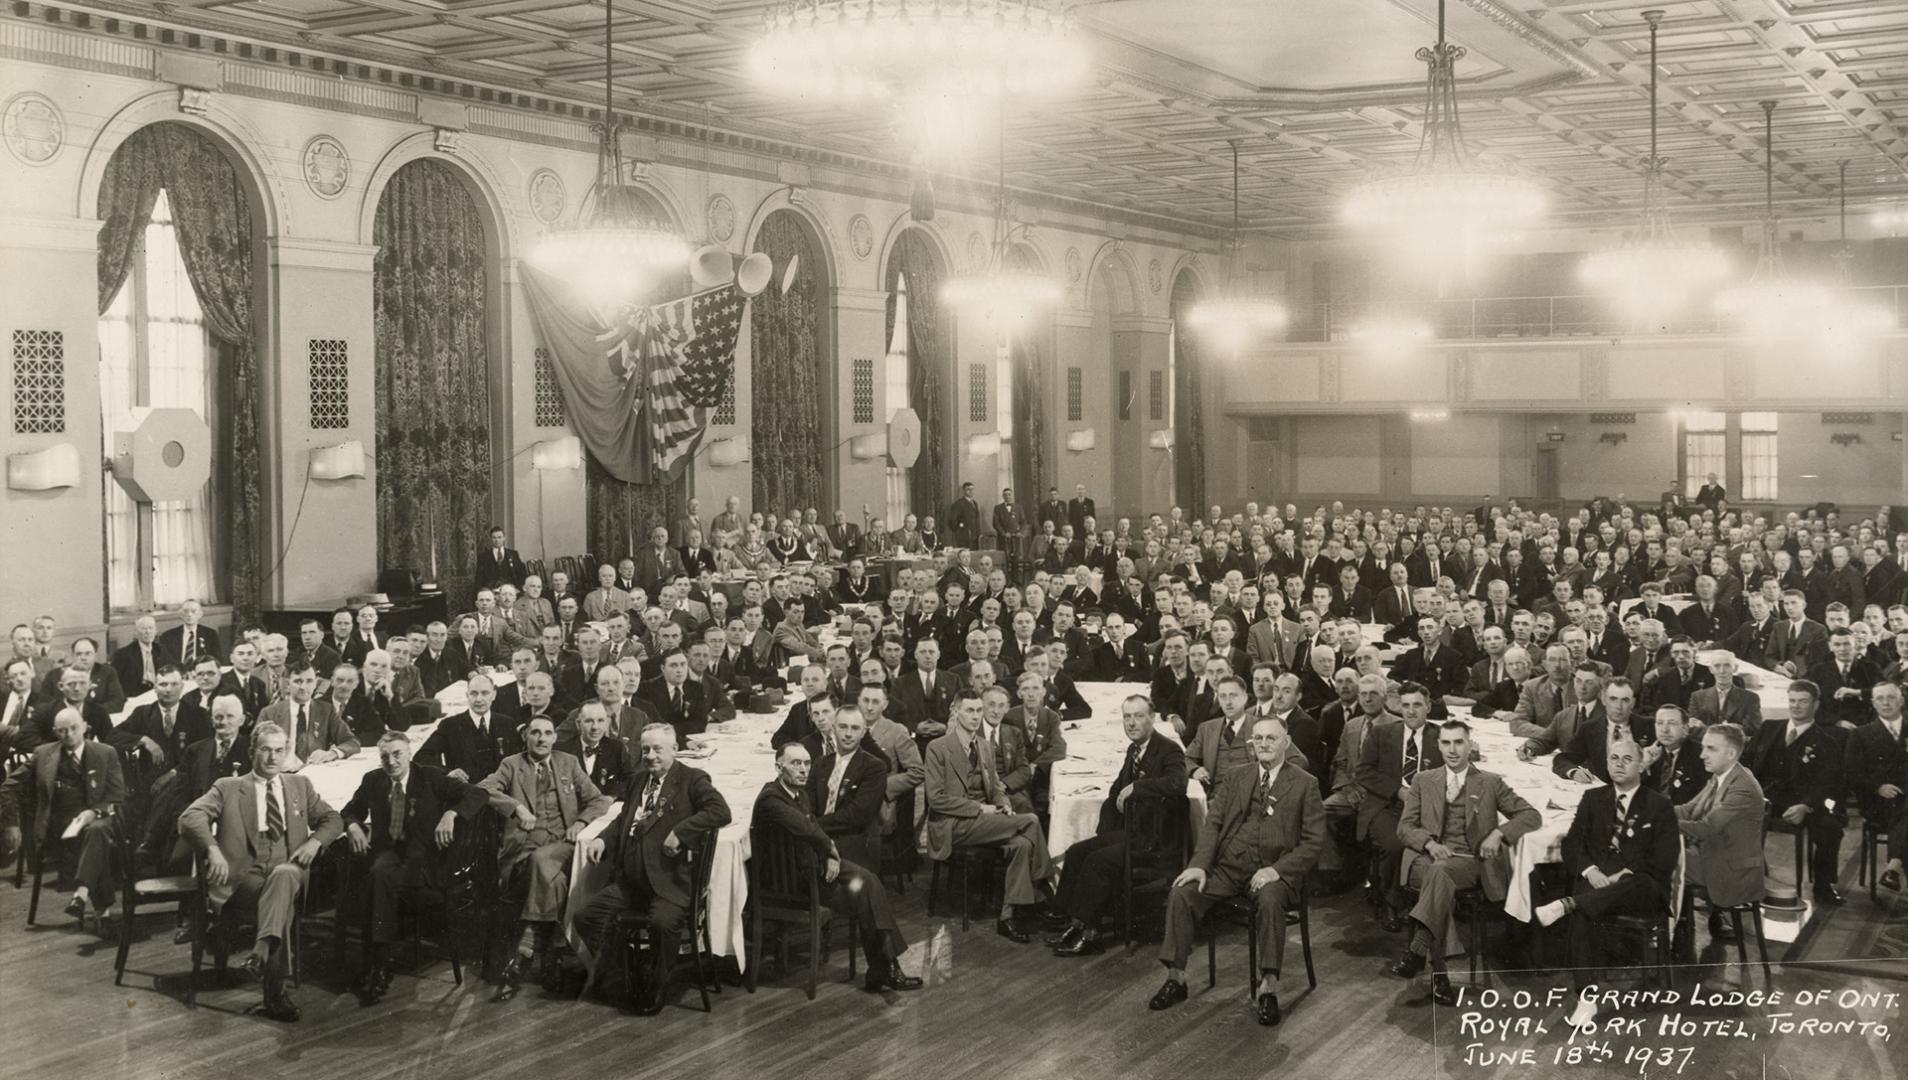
<point x="931" y="346"/>
<point x="1189" y="419"/>
<point x="793" y="406"/>
<point x="179" y="245"/>
<point x="430" y="304"/>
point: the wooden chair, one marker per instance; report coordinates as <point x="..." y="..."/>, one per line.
<point x="961" y="865"/>
<point x="161" y="888"/>
<point x="465" y="871"/>
<point x="1803" y="847"/>
<point x="1874" y="839"/>
<point x="785" y="889"/>
<point x="898" y="851"/>
<point x="1474" y="908"/>
<point x="1156" y="833"/>
<point x="1652" y="930"/>
<point x="633" y="923"/>
<point x="1241" y="910"/>
<point x="1753" y="908"/>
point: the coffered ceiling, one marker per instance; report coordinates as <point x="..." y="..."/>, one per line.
<point x="1320" y="92"/>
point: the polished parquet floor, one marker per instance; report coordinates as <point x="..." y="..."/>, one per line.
<point x="990" y="1009"/>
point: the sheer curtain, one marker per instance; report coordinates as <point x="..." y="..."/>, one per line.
<point x="156" y="307"/>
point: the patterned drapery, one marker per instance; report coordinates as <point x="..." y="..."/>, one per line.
<point x="929" y="347"/>
<point x="429" y="286"/>
<point x="1030" y="402"/>
<point x="788" y="374"/>
<point x="215" y="241"/>
<point x="622" y="513"/>
<point x="1189" y="420"/>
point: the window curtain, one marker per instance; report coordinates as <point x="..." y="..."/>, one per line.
<point x="929" y="346"/>
<point x="1030" y="403"/>
<point x="429" y="290"/>
<point x="788" y="376"/>
<point x="214" y="233"/>
<point x="1189" y="420"/>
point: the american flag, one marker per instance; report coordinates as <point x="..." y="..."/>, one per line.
<point x="682" y="354"/>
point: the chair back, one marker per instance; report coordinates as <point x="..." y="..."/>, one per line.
<point x="1156" y="826"/>
<point x="781" y="871"/>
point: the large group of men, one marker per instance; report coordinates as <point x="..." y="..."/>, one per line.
<point x="932" y="701"/>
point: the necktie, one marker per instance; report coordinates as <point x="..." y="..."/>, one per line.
<point x="1497" y="672"/>
<point x="297" y="723"/>
<point x="165" y="720"/>
<point x="191" y="646"/>
<point x="543" y="778"/>
<point x="397" y="813"/>
<point x="1265" y="787"/>
<point x="1788" y="738"/>
<point x="650" y="796"/>
<point x="675" y="699"/>
<point x="145" y="660"/>
<point x="224" y="749"/>
<point x="1412" y="750"/>
<point x="1669" y="770"/>
<point x="973" y="755"/>
<point x="274" y="813"/>
<point x="1404" y="600"/>
<point x="482" y="723"/>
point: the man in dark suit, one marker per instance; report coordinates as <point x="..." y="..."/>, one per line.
<point x="576" y="683"/>
<point x="1707" y="620"/>
<point x="74" y="688"/>
<point x="1079" y="509"/>
<point x="604" y="754"/>
<point x="964" y="519"/>
<point x="1585" y="757"/>
<point x="1794" y="637"/>
<point x="1121" y="657"/>
<point x="469" y="745"/>
<point x="1394" y="753"/>
<point x="1053" y="509"/>
<point x="185" y="643"/>
<point x="403" y="814"/>
<point x="656" y="564"/>
<point x="921" y="700"/>
<point x="844" y="536"/>
<point x="848" y="787"/>
<point x="137" y="662"/>
<point x="498" y="564"/>
<point x="1620" y="856"/>
<point x="1801" y="767"/>
<point x="1154" y="771"/>
<point x="1439" y="668"/>
<point x="1878" y="775"/>
<point x="226" y="752"/>
<point x="1678" y="682"/>
<point x="20" y="700"/>
<point x="668" y="810"/>
<point x="466" y="652"/>
<point x="696" y="557"/>
<point x="1845" y="680"/>
<point x="681" y="703"/>
<point x="1726" y="700"/>
<point x="1674" y="763"/>
<point x="1008" y="526"/>
<point x="158" y="732"/>
<point x="71" y="783"/>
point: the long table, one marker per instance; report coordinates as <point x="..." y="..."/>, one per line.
<point x="1096" y="748"/>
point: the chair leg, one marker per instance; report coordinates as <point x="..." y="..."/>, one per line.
<point x="814" y="954"/>
<point x="966" y="908"/>
<point x="33" y="904"/>
<point x="854" y="943"/>
<point x="1762" y="943"/>
<point x="1305" y="943"/>
<point x="1252" y="956"/>
<point x="126" y="918"/>
<point x="1212" y="957"/>
<point x="1742" y="947"/>
<point x="934" y="887"/>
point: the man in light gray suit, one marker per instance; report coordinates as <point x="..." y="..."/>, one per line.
<point x="315" y="732"/>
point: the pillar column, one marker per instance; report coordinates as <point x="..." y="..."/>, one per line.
<point x="1143" y="483"/>
<point x="861" y="322"/>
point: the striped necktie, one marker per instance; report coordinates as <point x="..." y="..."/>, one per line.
<point x="274" y="813"/>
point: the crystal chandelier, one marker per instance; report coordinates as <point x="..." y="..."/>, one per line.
<point x="997" y="289"/>
<point x="1772" y="303"/>
<point x="1236" y="317"/>
<point x="1444" y="199"/>
<point x="1654" y="268"/>
<point x="860" y="50"/>
<point x="617" y="250"/>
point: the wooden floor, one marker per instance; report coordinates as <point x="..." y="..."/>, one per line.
<point x="990" y="1009"/>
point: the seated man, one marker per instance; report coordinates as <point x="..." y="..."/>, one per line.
<point x="785" y="804"/>
<point x="1454" y="842"/>
<point x="1395" y="754"/>
<point x="1263" y="835"/>
<point x="1008" y="744"/>
<point x="1154" y="768"/>
<point x="546" y="799"/>
<point x="72" y="784"/>
<point x="471" y="744"/>
<point x="1620" y="856"/>
<point x="851" y="785"/>
<point x="1724" y="822"/>
<point x="260" y="833"/>
<point x="315" y="732"/>
<point x="967" y="807"/>
<point x="1800" y="766"/>
<point x="1674" y="764"/>
<point x="403" y="814"/>
<point x="1878" y="774"/>
<point x="604" y="754"/>
<point x="665" y="807"/>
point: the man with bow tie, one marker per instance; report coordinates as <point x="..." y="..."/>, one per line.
<point x="1261" y="838"/>
<point x="669" y="808"/>
<point x="1620" y="855"/>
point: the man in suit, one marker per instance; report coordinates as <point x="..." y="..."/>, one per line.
<point x="1439" y="668"/>
<point x="1724" y="822"/>
<point x="20" y="700"/>
<point x="850" y="786"/>
<point x="963" y="519"/>
<point x="1584" y="758"/>
<point x="1008" y="743"/>
<point x="1454" y="841"/>
<point x="72" y="783"/>
<point x="1620" y="857"/>
<point x="320" y="652"/>
<point x="545" y="799"/>
<point x="1008" y="526"/>
<point x="967" y="807"/>
<point x="471" y="744"/>
<point x="677" y="701"/>
<point x="529" y="613"/>
<point x="923" y="699"/>
<point x="1394" y="753"/>
<point x="1121" y="657"/>
<point x="75" y="688"/>
<point x="227" y="751"/>
<point x="1878" y="775"/>
<point x="1801" y="766"/>
<point x="1726" y="700"/>
<point x="794" y="641"/>
<point x="1674" y="765"/>
<point x="1793" y="636"/>
<point x="137" y="662"/>
<point x="185" y="643"/>
<point x="1845" y="680"/>
<point x="158" y="732"/>
<point x="668" y="809"/>
<point x="402" y="814"/>
<point x="657" y="564"/>
<point x="1708" y="620"/>
<point x="102" y="683"/>
<point x="314" y="730"/>
<point x="1262" y="836"/>
<point x="608" y="597"/>
<point x="1154" y="770"/>
<point x="260" y="833"/>
<point x="1677" y="682"/>
<point x="1395" y="606"/>
<point x="604" y="754"/>
<point x="1079" y="509"/>
<point x="695" y="557"/>
<point x="499" y="564"/>
<point x="467" y="652"/>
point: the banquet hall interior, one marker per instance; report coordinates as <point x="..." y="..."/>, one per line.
<point x="786" y="538"/>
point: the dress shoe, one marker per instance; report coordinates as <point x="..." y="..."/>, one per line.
<point x="650" y="1001"/>
<point x="183" y="935"/>
<point x="1268" y="1010"/>
<point x="510" y="979"/>
<point x="888" y="975"/>
<point x="1442" y="992"/>
<point x="1407" y="966"/>
<point x="372" y="984"/>
<point x="76" y="908"/>
<point x="1011" y="930"/>
<point x="278" y="1007"/>
<point x="253" y="967"/>
<point x="1891" y="879"/>
<point x="1054" y="920"/>
<point x="1086" y="944"/>
<point x="1390" y="921"/>
<point x="1830" y="895"/>
<point x="1721" y="931"/>
<point x="1054" y="941"/>
<point x="1169" y="995"/>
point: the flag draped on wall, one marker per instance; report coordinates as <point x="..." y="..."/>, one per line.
<point x="633" y="391"/>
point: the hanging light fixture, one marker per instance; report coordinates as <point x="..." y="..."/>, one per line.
<point x="617" y="250"/>
<point x="1237" y="316"/>
<point x="1654" y="269"/>
<point x="1445" y="200"/>
<point x="1851" y="318"/>
<point x="1772" y="303"/>
<point x="994" y="288"/>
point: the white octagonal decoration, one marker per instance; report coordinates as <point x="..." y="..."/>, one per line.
<point x="165" y="456"/>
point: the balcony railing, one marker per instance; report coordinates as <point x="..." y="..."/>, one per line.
<point x="1500" y="317"/>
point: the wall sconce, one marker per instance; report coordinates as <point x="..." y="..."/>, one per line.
<point x="1161" y="439"/>
<point x="727" y="453"/>
<point x="868" y="447"/>
<point x="1614" y="438"/>
<point x="344" y="461"/>
<point x="57" y="466"/>
<point x="1079" y="442"/>
<point x="1846" y="438"/>
<point x="986" y="444"/>
<point x="554" y="454"/>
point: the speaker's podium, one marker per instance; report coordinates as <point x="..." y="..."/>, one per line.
<point x="401" y="602"/>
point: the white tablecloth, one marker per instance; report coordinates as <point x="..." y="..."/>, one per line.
<point x="1096" y="748"/>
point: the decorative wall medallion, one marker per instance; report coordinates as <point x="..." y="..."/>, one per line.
<point x="861" y="235"/>
<point x="1155" y="275"/>
<point x="721" y="217"/>
<point x="1073" y="266"/>
<point x="327" y="167"/>
<point x="976" y="252"/>
<point x="33" y="128"/>
<point x="547" y="196"/>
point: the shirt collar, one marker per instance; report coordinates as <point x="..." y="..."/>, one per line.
<point x="1456" y="779"/>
